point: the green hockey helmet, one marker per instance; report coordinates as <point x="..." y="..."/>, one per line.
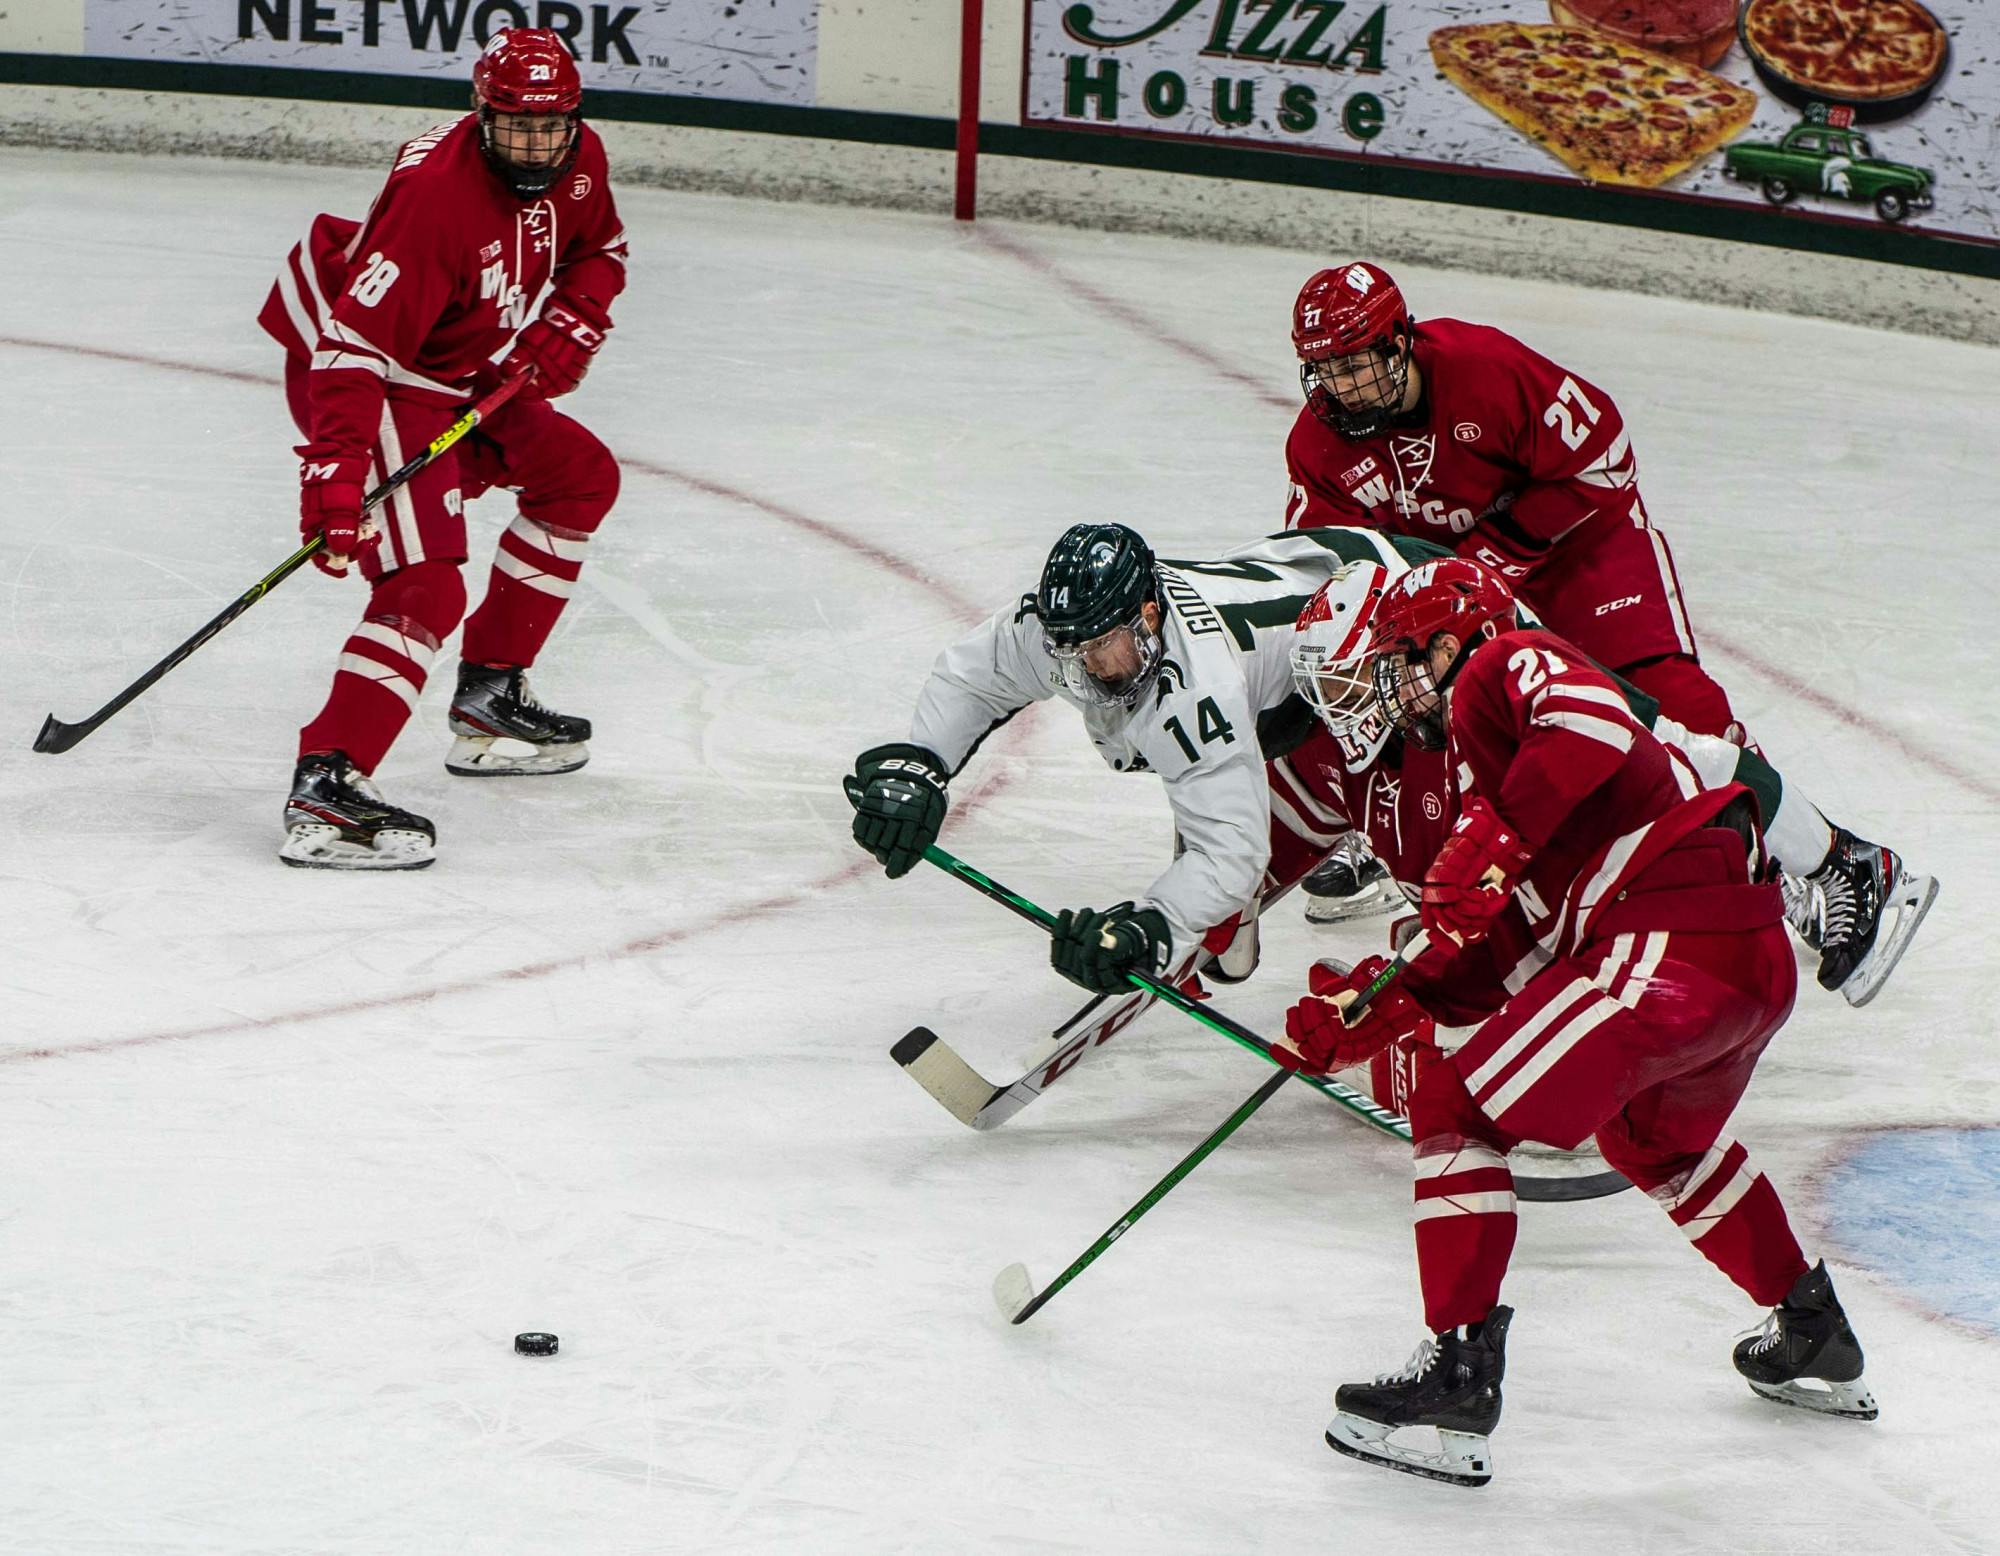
<point x="1097" y="581"/>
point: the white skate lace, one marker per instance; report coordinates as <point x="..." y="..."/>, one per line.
<point x="1768" y="1340"/>
<point x="1837" y="912"/>
<point x="1419" y="1363"/>
<point x="1805" y="908"/>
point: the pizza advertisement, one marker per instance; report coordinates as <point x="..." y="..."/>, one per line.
<point x="1877" y="112"/>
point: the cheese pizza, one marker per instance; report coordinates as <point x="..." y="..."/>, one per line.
<point x="1617" y="113"/>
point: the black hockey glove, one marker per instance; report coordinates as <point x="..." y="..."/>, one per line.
<point x="1097" y="949"/>
<point x="899" y="804"/>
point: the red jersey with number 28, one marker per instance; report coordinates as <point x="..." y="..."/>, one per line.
<point x="1505" y="455"/>
<point x="438" y="280"/>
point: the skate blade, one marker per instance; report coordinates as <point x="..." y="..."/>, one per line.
<point x="494" y="756"/>
<point x="1365" y="903"/>
<point x="315" y="846"/>
<point x="1908" y="903"/>
<point x="1850" y="1401"/>
<point x="1460" y="1458"/>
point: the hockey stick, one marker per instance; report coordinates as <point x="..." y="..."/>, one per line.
<point x="972" y="1099"/>
<point x="57" y="737"/>
<point x="1015" y="1292"/>
<point x="1355" y="1102"/>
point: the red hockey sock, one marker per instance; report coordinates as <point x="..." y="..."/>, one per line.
<point x="534" y="570"/>
<point x="385" y="662"/>
<point x="1464" y="1202"/>
<point x="1736" y="1220"/>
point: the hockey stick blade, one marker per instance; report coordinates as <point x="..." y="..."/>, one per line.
<point x="932" y="1063"/>
<point x="57" y="737"/>
<point x="1013" y="1293"/>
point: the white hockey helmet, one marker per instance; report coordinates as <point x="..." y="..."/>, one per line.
<point x="1332" y="666"/>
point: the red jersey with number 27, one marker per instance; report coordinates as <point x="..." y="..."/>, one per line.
<point x="1506" y="455"/>
<point x="438" y="280"/>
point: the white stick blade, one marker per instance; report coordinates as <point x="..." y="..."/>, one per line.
<point x="932" y="1064"/>
<point x="1013" y="1290"/>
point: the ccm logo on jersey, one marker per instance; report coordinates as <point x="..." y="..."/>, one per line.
<point x="1616" y="605"/>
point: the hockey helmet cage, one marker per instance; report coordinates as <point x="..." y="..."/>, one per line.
<point x="1450" y="595"/>
<point x="1097" y="579"/>
<point x="527" y="72"/>
<point x="1354" y="312"/>
<point x="1332" y="663"/>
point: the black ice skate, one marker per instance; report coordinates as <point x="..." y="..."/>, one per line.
<point x="1451" y="1384"/>
<point x="1870" y="908"/>
<point x="337" y="819"/>
<point x="1806" y="1354"/>
<point x="1349" y="883"/>
<point x="503" y="731"/>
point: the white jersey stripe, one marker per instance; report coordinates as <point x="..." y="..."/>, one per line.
<point x="1469" y="1157"/>
<point x="534" y="577"/>
<point x="1518" y="1042"/>
<point x="389" y="680"/>
<point x="1559" y="1043"/>
<point x="1671" y="1199"/>
<point x="1602" y="730"/>
<point x="1490" y="1202"/>
<point x="1683" y="633"/>
<point x="1722" y="1204"/>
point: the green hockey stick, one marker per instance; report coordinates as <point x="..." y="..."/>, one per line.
<point x="1356" y="1102"/>
<point x="1015" y="1292"/>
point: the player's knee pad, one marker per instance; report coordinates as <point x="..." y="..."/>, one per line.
<point x="430" y="594"/>
<point x="578" y="491"/>
<point x="1443" y="1114"/>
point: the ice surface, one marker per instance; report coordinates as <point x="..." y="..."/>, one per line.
<point x="286" y="1159"/>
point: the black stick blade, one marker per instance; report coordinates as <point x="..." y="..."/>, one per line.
<point x="57" y="737"/>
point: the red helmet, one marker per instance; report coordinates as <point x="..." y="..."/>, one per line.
<point x="527" y="74"/>
<point x="1347" y="309"/>
<point x="1353" y="333"/>
<point x="527" y="70"/>
<point x="1449" y="595"/>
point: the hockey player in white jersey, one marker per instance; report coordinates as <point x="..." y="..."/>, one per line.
<point x="1172" y="665"/>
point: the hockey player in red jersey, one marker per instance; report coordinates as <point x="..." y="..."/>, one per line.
<point x="1605" y="922"/>
<point x="1460" y="434"/>
<point x="1354" y="771"/>
<point x="389" y="325"/>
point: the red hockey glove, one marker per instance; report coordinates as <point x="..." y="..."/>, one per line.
<point x="1470" y="881"/>
<point x="559" y="345"/>
<point x="1317" y="1040"/>
<point x="330" y="492"/>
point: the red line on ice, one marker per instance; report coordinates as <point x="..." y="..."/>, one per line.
<point x="888" y="561"/>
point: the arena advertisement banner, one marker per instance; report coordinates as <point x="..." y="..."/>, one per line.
<point x="1874" y="111"/>
<point x="762" y="52"/>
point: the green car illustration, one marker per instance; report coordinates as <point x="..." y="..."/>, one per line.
<point x="1820" y="159"/>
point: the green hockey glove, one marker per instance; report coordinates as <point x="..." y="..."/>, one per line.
<point x="900" y="804"/>
<point x="1097" y="949"/>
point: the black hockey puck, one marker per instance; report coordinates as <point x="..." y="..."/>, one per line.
<point x="536" y="1344"/>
